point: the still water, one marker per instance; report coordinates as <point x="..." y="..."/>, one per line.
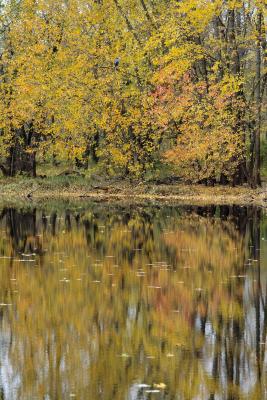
<point x="133" y="303"/>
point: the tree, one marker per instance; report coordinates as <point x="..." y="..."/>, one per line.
<point x="62" y="96"/>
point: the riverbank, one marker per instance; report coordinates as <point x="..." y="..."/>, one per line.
<point x="77" y="187"/>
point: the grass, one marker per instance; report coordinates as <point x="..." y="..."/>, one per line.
<point x="57" y="185"/>
<point x="67" y="187"/>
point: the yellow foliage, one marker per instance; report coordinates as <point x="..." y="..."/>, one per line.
<point x="59" y="77"/>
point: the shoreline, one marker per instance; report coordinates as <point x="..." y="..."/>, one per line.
<point x="123" y="191"/>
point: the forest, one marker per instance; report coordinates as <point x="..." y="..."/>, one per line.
<point x="133" y="87"/>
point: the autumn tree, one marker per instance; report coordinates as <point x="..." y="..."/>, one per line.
<point x="189" y="87"/>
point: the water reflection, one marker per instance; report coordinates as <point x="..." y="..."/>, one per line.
<point x="101" y="302"/>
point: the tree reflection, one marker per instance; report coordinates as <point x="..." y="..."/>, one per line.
<point x="97" y="300"/>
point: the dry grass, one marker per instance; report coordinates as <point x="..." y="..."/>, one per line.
<point x="74" y="187"/>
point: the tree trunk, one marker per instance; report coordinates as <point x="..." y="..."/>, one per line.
<point x="22" y="158"/>
<point x="240" y="176"/>
<point x="256" y="179"/>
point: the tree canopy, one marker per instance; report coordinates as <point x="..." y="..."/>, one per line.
<point x="188" y="87"/>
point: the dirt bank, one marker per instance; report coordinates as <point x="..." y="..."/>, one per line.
<point x="73" y="188"/>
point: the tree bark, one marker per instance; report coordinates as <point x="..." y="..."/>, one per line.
<point x="256" y="179"/>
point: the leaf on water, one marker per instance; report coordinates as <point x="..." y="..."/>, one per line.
<point x="160" y="385"/>
<point x="154" y="287"/>
<point x="153" y="391"/>
<point x="124" y="355"/>
<point x="143" y="385"/>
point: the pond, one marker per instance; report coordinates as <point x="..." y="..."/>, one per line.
<point x="132" y="302"/>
